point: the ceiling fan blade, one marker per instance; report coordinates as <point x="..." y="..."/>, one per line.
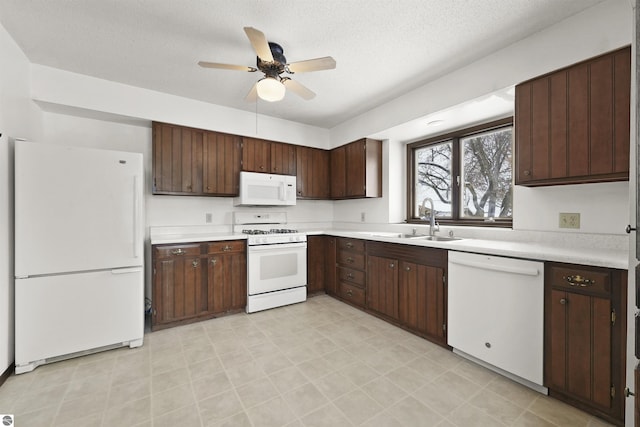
<point x="326" y="63"/>
<point x="259" y="43"/>
<point x="252" y="96"/>
<point x="205" y="64"/>
<point x="298" y="89"/>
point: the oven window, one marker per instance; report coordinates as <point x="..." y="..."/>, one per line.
<point x="281" y="265"/>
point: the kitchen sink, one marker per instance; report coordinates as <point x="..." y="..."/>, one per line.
<point x="442" y="238"/>
<point x="426" y="237"/>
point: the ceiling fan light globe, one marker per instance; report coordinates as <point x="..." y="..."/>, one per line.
<point x="270" y="89"/>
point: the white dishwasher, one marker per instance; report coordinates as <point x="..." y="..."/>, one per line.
<point x="495" y="314"/>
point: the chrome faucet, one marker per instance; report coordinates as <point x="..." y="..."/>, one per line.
<point x="433" y="224"/>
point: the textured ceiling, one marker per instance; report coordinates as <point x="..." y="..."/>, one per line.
<point x="383" y="48"/>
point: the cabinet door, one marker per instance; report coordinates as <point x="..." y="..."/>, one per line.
<point x="338" y="172"/>
<point x="422" y="299"/>
<point x="356" y="169"/>
<point x="283" y="158"/>
<point x="382" y="285"/>
<point x="256" y="155"/>
<point x="316" y="265"/>
<point x="177" y="288"/>
<point x="177" y="159"/>
<point x="226" y="282"/>
<point x="312" y="171"/>
<point x="221" y="164"/>
<point x="330" y="284"/>
<point x="578" y="357"/>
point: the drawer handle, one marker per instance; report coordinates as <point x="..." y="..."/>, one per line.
<point x="349" y="292"/>
<point x="226" y="248"/>
<point x="350" y="260"/>
<point x="563" y="301"/>
<point x="194" y="263"/>
<point x="214" y="261"/>
<point x="349" y="245"/>
<point x="578" y="280"/>
<point x="178" y="252"/>
<point x="350" y="276"/>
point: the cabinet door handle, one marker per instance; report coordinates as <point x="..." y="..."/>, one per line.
<point x="195" y="263"/>
<point x="578" y="280"/>
<point x="214" y="261"/>
<point x="527" y="173"/>
<point x="349" y="292"/>
<point x="350" y="260"/>
<point x="349" y="245"/>
<point x="178" y="252"/>
<point x="563" y="301"/>
<point x="392" y="265"/>
<point x="407" y="268"/>
<point x="226" y="248"/>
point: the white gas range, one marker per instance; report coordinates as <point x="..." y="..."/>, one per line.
<point x="276" y="260"/>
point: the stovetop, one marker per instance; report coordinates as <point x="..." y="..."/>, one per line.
<point x="270" y="231"/>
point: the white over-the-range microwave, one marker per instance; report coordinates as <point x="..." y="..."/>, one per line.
<point x="263" y="189"/>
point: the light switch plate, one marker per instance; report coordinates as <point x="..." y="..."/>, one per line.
<point x="569" y="220"/>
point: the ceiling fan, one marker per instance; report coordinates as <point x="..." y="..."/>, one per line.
<point x="273" y="64"/>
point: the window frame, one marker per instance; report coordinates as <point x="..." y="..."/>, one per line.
<point x="456" y="166"/>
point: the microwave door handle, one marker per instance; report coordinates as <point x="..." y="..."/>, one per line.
<point x="282" y="191"/>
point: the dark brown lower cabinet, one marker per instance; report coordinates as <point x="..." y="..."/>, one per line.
<point x="406" y="285"/>
<point x="423" y="300"/>
<point x="196" y="281"/>
<point x="585" y="330"/>
<point x="382" y="285"/>
<point x="317" y="248"/>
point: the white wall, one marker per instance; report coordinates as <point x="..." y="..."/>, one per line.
<point x="19" y="117"/>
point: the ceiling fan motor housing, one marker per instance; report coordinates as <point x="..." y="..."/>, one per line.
<point x="275" y="68"/>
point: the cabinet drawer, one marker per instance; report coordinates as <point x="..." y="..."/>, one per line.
<point x="352" y="293"/>
<point x="351" y="244"/>
<point x="176" y="251"/>
<point x="351" y="275"/>
<point x="351" y="259"/>
<point x="226" y="246"/>
<point x="581" y="279"/>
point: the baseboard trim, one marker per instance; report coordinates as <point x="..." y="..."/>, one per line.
<point x="6" y="374"/>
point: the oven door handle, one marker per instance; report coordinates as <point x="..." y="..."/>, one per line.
<point x="277" y="246"/>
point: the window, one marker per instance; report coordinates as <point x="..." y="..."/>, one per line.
<point x="467" y="175"/>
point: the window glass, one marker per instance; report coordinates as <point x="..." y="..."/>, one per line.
<point x="466" y="173"/>
<point x="486" y="175"/>
<point x="434" y="179"/>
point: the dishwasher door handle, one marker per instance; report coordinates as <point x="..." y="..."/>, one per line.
<point x="501" y="268"/>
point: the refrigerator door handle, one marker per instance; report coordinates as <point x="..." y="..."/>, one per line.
<point x="136" y="219"/>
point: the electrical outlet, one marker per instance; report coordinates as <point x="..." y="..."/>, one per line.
<point x="569" y="220"/>
<point x="362" y="216"/>
<point x="208" y="217"/>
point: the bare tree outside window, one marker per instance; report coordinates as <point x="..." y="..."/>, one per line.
<point x="468" y="175"/>
<point x="486" y="175"/>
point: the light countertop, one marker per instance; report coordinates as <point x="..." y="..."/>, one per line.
<point x="586" y="254"/>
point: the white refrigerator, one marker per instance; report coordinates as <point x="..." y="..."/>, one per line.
<point x="79" y="276"/>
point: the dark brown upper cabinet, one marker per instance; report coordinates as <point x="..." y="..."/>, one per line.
<point x="356" y="170"/>
<point x="194" y="162"/>
<point x="312" y="173"/>
<point x="259" y="155"/>
<point x="572" y="125"/>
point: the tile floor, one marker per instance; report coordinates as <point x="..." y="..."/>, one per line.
<point x="321" y="363"/>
